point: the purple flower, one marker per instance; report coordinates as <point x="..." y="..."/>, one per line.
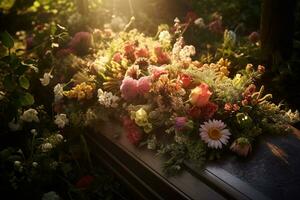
<point x="180" y="123"/>
<point x="81" y="42"/>
<point x="29" y="42"/>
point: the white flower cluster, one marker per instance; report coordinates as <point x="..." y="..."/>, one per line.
<point x="46" y="147"/>
<point x="186" y="53"/>
<point x="46" y="79"/>
<point x="164" y="37"/>
<point x="30" y="115"/>
<point x="107" y="99"/>
<point x="58" y="92"/>
<point x="177" y="48"/>
<point x="61" y="120"/>
<point x="199" y="22"/>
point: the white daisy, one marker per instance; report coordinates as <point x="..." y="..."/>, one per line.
<point x="214" y="133"/>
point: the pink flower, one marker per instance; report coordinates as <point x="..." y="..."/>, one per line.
<point x="117" y="57"/>
<point x="241" y="146"/>
<point x="200" y="95"/>
<point x="144" y="85"/>
<point x="254" y="37"/>
<point x="208" y="110"/>
<point x="228" y="107"/>
<point x="133" y="132"/>
<point x="180" y="123"/>
<point x="81" y="42"/>
<point x="157" y="72"/>
<point x="129" y="88"/>
<point x="247" y="94"/>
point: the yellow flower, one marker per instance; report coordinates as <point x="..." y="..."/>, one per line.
<point x="141" y="117"/>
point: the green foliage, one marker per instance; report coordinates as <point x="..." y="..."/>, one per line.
<point x="7" y="40"/>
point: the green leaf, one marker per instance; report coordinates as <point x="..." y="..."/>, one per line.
<point x="24" y="82"/>
<point x="27" y="99"/>
<point x="9" y="83"/>
<point x="7" y="40"/>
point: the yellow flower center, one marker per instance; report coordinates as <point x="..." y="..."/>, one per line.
<point x="214" y="134"/>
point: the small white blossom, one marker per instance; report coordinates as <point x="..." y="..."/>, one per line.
<point x="34" y="164"/>
<point x="186" y="53"/>
<point x="50" y="196"/>
<point x="59" y="138"/>
<point x="164" y="37"/>
<point x="46" y="79"/>
<point x="15" y="125"/>
<point x="58" y="92"/>
<point x="46" y="147"/>
<point x="2" y="95"/>
<point x="30" y="115"/>
<point x="61" y="120"/>
<point x="18" y="166"/>
<point x="107" y="99"/>
<point x="33" y="132"/>
<point x="199" y="22"/>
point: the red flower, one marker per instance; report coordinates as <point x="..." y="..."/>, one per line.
<point x="133" y="132"/>
<point x="84" y="182"/>
<point x="142" y="53"/>
<point x="186" y="80"/>
<point x="195" y="112"/>
<point x="190" y="17"/>
<point x="208" y="110"/>
<point x="134" y="136"/>
<point x="130" y="51"/>
<point x="162" y="57"/>
<point x="254" y="37"/>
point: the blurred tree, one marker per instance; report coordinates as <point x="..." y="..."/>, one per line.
<point x="277" y="28"/>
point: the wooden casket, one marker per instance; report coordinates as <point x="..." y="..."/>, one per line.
<point x="259" y="176"/>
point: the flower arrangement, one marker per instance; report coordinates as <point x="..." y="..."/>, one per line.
<point x="164" y="97"/>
